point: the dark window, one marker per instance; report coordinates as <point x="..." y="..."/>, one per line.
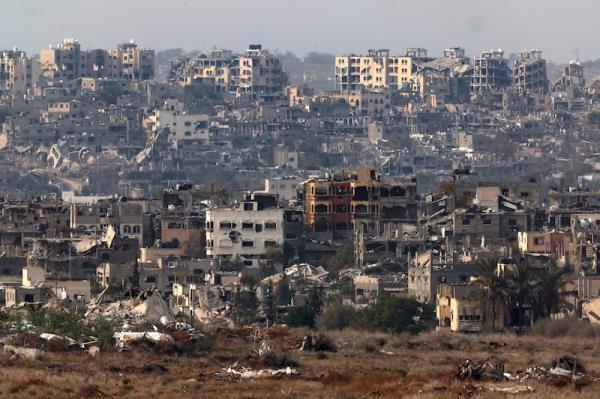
<point x="270" y="225"/>
<point x="247" y="243"/>
<point x="151" y="279"/>
<point x="466" y="222"/>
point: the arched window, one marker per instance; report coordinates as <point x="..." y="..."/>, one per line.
<point x="320" y="208"/>
<point x="361" y="209"/>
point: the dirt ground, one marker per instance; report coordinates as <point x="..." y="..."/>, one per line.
<point x="363" y="365"/>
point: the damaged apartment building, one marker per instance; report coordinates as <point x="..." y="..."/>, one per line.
<point x="245" y="232"/>
<point x="255" y="71"/>
<point x="340" y="203"/>
<point x="375" y="70"/>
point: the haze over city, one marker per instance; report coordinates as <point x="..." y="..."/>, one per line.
<point x="335" y="26"/>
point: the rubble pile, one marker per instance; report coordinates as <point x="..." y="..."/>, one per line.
<point x="566" y="371"/>
<point x="145" y="321"/>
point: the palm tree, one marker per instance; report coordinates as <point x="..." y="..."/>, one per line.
<point x="547" y="296"/>
<point x="522" y="284"/>
<point x="491" y="285"/>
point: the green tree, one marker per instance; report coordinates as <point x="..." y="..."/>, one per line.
<point x="521" y="287"/>
<point x="343" y="258"/>
<point x="268" y="304"/>
<point x="247" y="279"/>
<point x="337" y="316"/>
<point x="244" y="307"/>
<point x="492" y="287"/>
<point x="299" y="316"/>
<point x="395" y="315"/>
<point x="283" y="293"/>
<point x="547" y="298"/>
<point x="314" y="301"/>
<point x="345" y="287"/>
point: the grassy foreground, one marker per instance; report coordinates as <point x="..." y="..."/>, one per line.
<point x="363" y="365"/>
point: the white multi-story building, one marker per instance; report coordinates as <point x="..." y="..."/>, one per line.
<point x="246" y="231"/>
<point x="183" y="127"/>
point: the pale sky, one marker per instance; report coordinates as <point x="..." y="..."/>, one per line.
<point x="339" y="26"/>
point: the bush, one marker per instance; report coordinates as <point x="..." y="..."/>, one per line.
<point x="396" y="315"/>
<point x="58" y="322"/>
<point x="337" y="316"/>
<point x="244" y="307"/>
<point x="569" y="327"/>
<point x="299" y="316"/>
<point x="104" y="328"/>
<point x="323" y="344"/>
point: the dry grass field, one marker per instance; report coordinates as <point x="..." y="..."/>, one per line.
<point x="363" y="365"/>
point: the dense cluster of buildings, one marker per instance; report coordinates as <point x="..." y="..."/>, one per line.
<point x="401" y="179"/>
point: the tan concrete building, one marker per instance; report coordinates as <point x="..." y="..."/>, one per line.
<point x="18" y="73"/>
<point x="376" y="70"/>
<point x="256" y="71"/>
<point x="459" y="308"/>
<point x="67" y="61"/>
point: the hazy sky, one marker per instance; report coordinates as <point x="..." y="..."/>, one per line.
<point x="555" y="26"/>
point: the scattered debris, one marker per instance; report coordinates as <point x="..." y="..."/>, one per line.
<point x="93" y="351"/>
<point x="126" y="338"/>
<point x="468" y="369"/>
<point x="54" y="337"/>
<point x="245" y="373"/>
<point x="25" y="353"/>
<point x="512" y="390"/>
<point x="307" y="343"/>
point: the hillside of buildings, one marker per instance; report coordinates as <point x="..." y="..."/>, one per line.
<point x="198" y="217"/>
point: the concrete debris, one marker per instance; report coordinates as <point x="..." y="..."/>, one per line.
<point x="25" y="353"/>
<point x="591" y="309"/>
<point x="265" y="347"/>
<point x="245" y="373"/>
<point x="468" y="369"/>
<point x="307" y="344"/>
<point x="54" y="337"/>
<point x="153" y="310"/>
<point x="512" y="390"/>
<point x="126" y="338"/>
<point x="93" y="351"/>
<point x="148" y="307"/>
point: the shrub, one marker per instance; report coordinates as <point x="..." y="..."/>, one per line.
<point x="103" y="328"/>
<point x="58" y="322"/>
<point x="299" y="316"/>
<point x="336" y="316"/>
<point x="396" y="315"/>
<point x="244" y="307"/>
<point x="323" y="344"/>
